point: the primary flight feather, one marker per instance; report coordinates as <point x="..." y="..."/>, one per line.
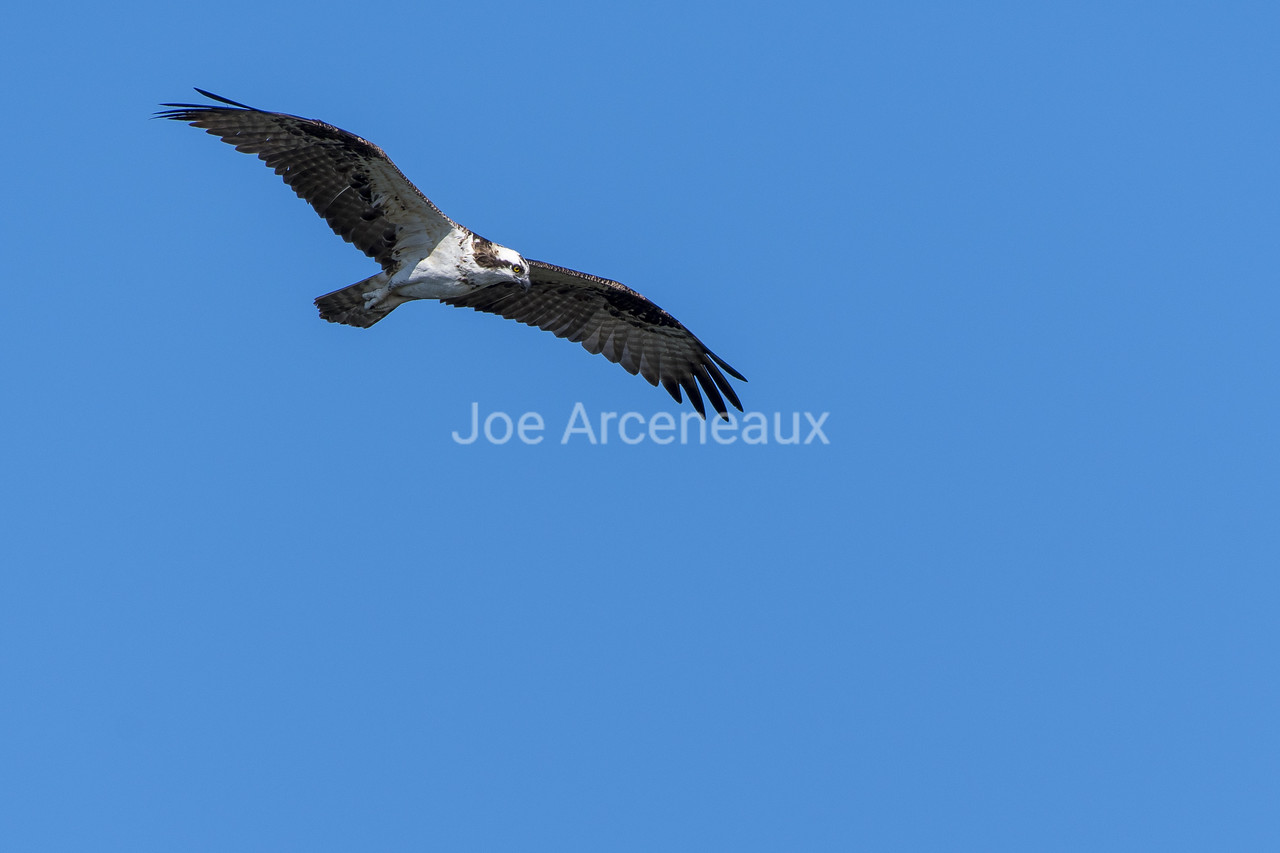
<point x="424" y="254"/>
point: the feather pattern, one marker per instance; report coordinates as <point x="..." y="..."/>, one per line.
<point x="612" y="320"/>
<point x="349" y="181"/>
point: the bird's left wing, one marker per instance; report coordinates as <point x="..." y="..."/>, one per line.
<point x="349" y="181"/>
<point x="612" y="320"/>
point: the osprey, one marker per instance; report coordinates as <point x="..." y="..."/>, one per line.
<point x="424" y="254"/>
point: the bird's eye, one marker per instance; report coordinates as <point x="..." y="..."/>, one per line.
<point x="517" y="269"/>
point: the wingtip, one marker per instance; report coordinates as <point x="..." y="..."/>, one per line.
<point x="695" y="397"/>
<point x="720" y="361"/>
<point x="211" y="96"/>
<point x="183" y="111"/>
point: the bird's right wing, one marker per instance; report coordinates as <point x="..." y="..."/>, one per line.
<point x="349" y="181"/>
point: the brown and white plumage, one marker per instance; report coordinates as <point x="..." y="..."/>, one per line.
<point x="424" y="254"/>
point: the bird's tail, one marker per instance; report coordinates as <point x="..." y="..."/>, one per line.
<point x="361" y="304"/>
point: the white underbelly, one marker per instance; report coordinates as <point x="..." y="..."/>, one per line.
<point x="430" y="280"/>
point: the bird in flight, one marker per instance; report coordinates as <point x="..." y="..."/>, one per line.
<point x="424" y="254"/>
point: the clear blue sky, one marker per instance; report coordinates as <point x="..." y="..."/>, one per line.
<point x="1024" y="257"/>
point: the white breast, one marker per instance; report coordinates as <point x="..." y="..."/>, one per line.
<point x="441" y="274"/>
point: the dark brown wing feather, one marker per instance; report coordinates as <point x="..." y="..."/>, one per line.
<point x="613" y="320"/>
<point x="349" y="181"/>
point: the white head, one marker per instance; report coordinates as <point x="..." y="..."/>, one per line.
<point x="495" y="263"/>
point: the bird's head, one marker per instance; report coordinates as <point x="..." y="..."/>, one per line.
<point x="497" y="263"/>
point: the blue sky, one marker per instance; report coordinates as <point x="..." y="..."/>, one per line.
<point x="1022" y="257"/>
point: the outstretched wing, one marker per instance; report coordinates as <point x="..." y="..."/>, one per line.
<point x="613" y="320"/>
<point x="349" y="181"/>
